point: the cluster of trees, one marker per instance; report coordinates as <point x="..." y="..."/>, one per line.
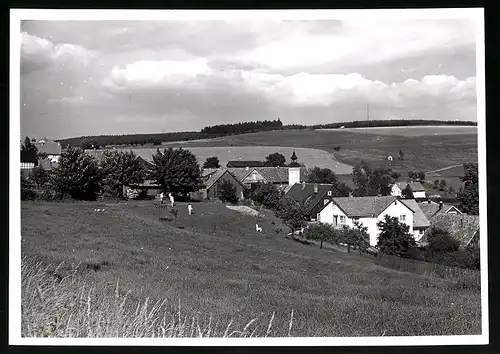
<point x="29" y="151"/>
<point x="81" y="176"/>
<point x="469" y="193"/>
<point x="353" y="237"/>
<point x="327" y="176"/>
<point x="417" y="176"/>
<point x="242" y="128"/>
<point x="370" y="181"/>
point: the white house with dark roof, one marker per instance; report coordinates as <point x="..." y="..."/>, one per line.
<point x="420" y="221"/>
<point x="368" y="211"/>
<point x="417" y="189"/>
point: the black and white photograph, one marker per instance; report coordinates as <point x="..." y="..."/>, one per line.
<point x="214" y="177"/>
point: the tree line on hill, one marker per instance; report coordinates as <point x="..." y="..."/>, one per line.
<point x="238" y="128"/>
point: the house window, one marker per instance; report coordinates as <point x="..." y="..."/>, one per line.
<point x="318" y="217"/>
<point x="329" y="193"/>
<point x="341" y="219"/>
<point x="402" y="218"/>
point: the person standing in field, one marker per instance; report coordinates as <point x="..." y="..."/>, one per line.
<point x="161" y="198"/>
<point x="190" y="209"/>
<point x="171" y="199"/>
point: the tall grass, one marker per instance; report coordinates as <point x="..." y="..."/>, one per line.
<point x="70" y="306"/>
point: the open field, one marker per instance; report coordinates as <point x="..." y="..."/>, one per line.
<point x="415" y="130"/>
<point x="218" y="265"/>
<point x="421" y="153"/>
<point x="310" y="157"/>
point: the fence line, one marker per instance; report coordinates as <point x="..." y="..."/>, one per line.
<point x="424" y="268"/>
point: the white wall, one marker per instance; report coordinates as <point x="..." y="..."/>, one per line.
<point x="293" y="175"/>
<point x="396" y="209"/>
<point x="419" y="194"/>
<point x="395" y="191"/>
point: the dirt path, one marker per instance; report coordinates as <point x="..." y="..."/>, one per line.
<point x="443" y="169"/>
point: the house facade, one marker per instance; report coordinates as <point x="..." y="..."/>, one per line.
<point x="420" y="221"/>
<point x="214" y="181"/>
<point x="368" y="211"/>
<point x="417" y="189"/>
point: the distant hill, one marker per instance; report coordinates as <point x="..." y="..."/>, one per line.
<point x="215" y="131"/>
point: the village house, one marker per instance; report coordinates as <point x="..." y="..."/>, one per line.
<point x="52" y="152"/>
<point x="213" y="181"/>
<point x="420" y="221"/>
<point x="417" y="189"/>
<point x="315" y="196"/>
<point x="431" y="209"/>
<point x="368" y="211"/>
<point x="462" y="227"/>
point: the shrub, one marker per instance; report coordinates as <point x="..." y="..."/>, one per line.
<point x="394" y="237"/>
<point x="28" y="194"/>
<point x="227" y="192"/>
<point x="267" y="195"/>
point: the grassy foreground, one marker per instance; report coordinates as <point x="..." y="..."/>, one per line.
<point x="224" y="275"/>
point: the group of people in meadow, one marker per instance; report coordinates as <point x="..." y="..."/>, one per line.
<point x="172" y="202"/>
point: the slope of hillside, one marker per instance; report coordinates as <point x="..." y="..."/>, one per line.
<point x="216" y="264"/>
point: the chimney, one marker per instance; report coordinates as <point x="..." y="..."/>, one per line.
<point x="440" y="205"/>
<point x="315" y="188"/>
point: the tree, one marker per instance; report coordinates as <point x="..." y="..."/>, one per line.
<point x="442" y="185"/>
<point x="211" y="162"/>
<point x="394" y="237"/>
<point x="354" y="237"/>
<point x="440" y="241"/>
<point x="320" y="232"/>
<point x="275" y="160"/>
<point x="120" y="169"/>
<point x="267" y="195"/>
<point x="412" y="175"/>
<point x="407" y="193"/>
<point x="40" y="176"/>
<point x="321" y="175"/>
<point x="293" y="213"/>
<point x="371" y="182"/>
<point x="469" y="193"/>
<point x="401" y="155"/>
<point x="227" y="192"/>
<point x="77" y="175"/>
<point x="177" y="171"/>
<point x="421" y="176"/>
<point x="436" y="184"/>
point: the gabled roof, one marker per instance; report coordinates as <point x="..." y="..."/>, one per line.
<point x="305" y="191"/>
<point x="49" y="147"/>
<point x="364" y="206"/>
<point x="216" y="176"/>
<point x="419" y="218"/>
<point x="415" y="186"/>
<point x="242" y="163"/>
<point x="208" y="171"/>
<point x="461" y="227"/>
<point x="240" y="173"/>
<point x="432" y="209"/>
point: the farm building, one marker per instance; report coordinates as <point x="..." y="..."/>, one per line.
<point x="420" y="221"/>
<point x="214" y="180"/>
<point x="368" y="211"/>
<point x="281" y="177"/>
<point x="147" y="190"/>
<point x="431" y="209"/>
<point x="463" y="228"/>
<point x="315" y="195"/>
<point x="417" y="189"/>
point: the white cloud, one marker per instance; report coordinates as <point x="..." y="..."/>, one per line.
<point x="146" y="73"/>
<point x="39" y="52"/>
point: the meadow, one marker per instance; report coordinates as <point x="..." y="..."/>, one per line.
<point x="415" y="130"/>
<point x="310" y="157"/>
<point x="218" y="269"/>
<point x="421" y="152"/>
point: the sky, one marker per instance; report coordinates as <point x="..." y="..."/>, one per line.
<point x="123" y="77"/>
